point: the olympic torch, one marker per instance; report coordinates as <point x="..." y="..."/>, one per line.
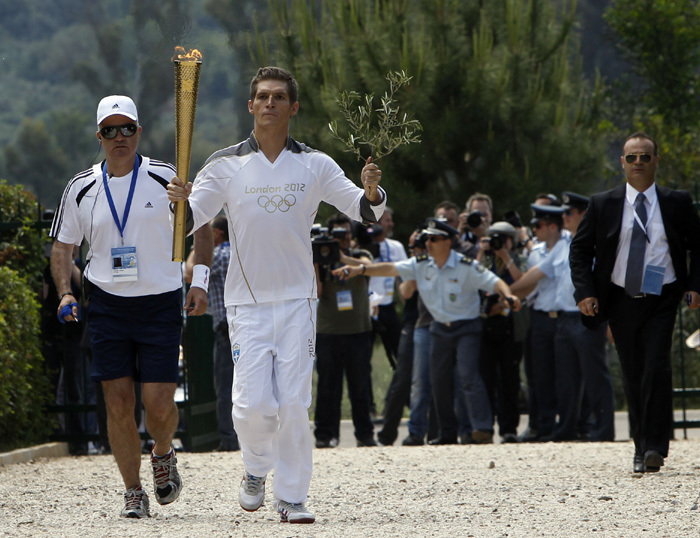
<point x="187" y="68"/>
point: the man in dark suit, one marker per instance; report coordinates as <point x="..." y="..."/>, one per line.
<point x="629" y="266"/>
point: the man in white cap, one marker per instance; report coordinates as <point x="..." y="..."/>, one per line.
<point x="120" y="206"/>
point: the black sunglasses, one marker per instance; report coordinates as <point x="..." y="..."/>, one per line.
<point x="435" y="238"/>
<point x="631" y="158"/>
<point x="128" y="129"/>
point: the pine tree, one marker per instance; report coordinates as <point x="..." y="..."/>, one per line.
<point x="497" y="87"/>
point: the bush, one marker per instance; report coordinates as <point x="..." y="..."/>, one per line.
<point x="21" y="240"/>
<point x="24" y="388"/>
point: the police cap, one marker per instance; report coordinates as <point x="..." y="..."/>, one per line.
<point x="547" y="212"/>
<point x="436" y="226"/>
<point x="571" y="199"/>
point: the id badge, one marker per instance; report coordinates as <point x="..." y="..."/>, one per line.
<point x="124" y="264"/>
<point x="653" y="279"/>
<point x="344" y="300"/>
<point x="389" y="286"/>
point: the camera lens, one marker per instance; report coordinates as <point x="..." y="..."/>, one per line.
<point x="496" y="242"/>
<point x="474" y="219"/>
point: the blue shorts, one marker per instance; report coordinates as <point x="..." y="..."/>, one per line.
<point x="135" y="337"/>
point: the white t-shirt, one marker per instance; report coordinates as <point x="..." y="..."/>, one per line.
<point x="270" y="209"/>
<point x="390" y="250"/>
<point x="84" y="212"/>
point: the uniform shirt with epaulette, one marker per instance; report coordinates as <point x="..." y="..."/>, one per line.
<point x="546" y="290"/>
<point x="450" y="293"/>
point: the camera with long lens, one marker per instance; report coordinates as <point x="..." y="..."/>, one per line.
<point x="474" y="219"/>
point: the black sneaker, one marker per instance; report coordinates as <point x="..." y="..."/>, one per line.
<point x="413" y="440"/>
<point x="368" y="441"/>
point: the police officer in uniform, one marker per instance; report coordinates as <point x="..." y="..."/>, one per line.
<point x="579" y="355"/>
<point x="449" y="285"/>
<point x="547" y="226"/>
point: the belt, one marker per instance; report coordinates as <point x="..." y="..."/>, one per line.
<point x="454" y="323"/>
<point x="554" y="314"/>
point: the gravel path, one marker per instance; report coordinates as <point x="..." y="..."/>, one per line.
<point x="565" y="489"/>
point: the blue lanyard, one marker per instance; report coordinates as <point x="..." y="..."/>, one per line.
<point x="388" y="254"/>
<point x="110" y="200"/>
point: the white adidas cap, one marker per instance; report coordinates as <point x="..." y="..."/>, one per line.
<point x="116" y="104"/>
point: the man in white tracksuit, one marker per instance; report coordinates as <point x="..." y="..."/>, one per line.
<point x="270" y="187"/>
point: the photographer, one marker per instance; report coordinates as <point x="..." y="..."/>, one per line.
<point x="479" y="217"/>
<point x="343" y="338"/>
<point x="504" y="331"/>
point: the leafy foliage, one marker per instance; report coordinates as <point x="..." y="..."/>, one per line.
<point x="383" y="129"/>
<point x="496" y="86"/>
<point x="24" y="389"/>
<point x="21" y="241"/>
<point x="661" y="39"/>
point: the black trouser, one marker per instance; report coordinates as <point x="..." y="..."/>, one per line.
<point x="335" y="354"/>
<point x="399" y="392"/>
<point x="500" y="367"/>
<point x="643" y="332"/>
<point x="542" y="335"/>
<point x="581" y="368"/>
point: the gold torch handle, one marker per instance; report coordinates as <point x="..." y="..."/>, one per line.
<point x="186" y="88"/>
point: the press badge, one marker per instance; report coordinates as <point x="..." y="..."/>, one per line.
<point x="124" y="267"/>
<point x="653" y="279"/>
<point x="344" y="299"/>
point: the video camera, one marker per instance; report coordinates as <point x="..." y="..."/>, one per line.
<point x="325" y="248"/>
<point x="365" y="237"/>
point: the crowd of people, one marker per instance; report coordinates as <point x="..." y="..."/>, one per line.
<point x="462" y="344"/>
<point x="479" y="296"/>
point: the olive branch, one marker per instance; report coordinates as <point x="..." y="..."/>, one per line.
<point x="381" y="129"/>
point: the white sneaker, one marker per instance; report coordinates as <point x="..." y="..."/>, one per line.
<point x="252" y="492"/>
<point x="136" y="503"/>
<point x="293" y="512"/>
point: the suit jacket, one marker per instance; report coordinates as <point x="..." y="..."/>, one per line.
<point x="593" y="249"/>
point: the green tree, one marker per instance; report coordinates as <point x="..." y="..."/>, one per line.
<point x="661" y="40"/>
<point x="496" y="85"/>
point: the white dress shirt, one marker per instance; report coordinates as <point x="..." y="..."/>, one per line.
<point x="657" y="251"/>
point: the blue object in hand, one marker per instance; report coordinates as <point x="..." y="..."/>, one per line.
<point x="67" y="311"/>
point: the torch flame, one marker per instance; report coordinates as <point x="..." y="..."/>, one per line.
<point x="193" y="55"/>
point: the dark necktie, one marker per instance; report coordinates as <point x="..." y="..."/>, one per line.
<point x="638" y="244"/>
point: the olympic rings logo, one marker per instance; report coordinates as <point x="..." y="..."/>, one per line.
<point x="277" y="203"/>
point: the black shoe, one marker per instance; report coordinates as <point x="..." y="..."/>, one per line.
<point x="327" y="443"/>
<point x="369" y="441"/>
<point x="413" y="440"/>
<point x="638" y="463"/>
<point x="443" y="441"/>
<point x="653" y="461"/>
<point x="509" y="438"/>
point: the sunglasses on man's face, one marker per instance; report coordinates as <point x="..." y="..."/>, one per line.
<point x="128" y="129"/>
<point x="631" y="158"/>
<point x="436" y="238"/>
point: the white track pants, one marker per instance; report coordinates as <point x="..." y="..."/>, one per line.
<point x="273" y="350"/>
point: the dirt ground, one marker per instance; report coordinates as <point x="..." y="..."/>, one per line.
<point x="564" y="489"/>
